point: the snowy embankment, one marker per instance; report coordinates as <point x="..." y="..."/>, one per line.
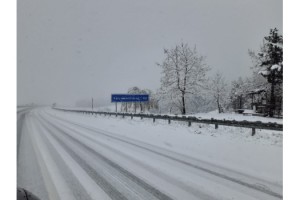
<point x="237" y="117"/>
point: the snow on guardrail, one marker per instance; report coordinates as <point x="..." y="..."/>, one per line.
<point x="190" y="120"/>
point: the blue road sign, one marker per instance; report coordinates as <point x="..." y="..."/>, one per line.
<point x="129" y="97"/>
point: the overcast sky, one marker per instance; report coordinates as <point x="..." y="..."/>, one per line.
<point x="72" y="50"/>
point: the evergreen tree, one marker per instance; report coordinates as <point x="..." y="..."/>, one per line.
<point x="269" y="60"/>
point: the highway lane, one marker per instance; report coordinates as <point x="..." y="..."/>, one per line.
<point x="62" y="159"/>
<point x="21" y="112"/>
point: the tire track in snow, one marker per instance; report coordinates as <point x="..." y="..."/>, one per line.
<point x="178" y="183"/>
<point x="220" y="175"/>
<point x="103" y="183"/>
<point x="20" y="121"/>
<point x="74" y="184"/>
<point x="55" y="184"/>
<point x="92" y="189"/>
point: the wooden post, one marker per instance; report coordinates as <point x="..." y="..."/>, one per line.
<point x="153" y="119"/>
<point x="169" y="121"/>
<point x="253" y="131"/>
<point x="189" y="123"/>
<point x="131" y="116"/>
<point x="216" y="126"/>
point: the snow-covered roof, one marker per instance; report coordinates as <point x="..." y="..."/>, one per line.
<point x="257" y="91"/>
<point x="274" y="67"/>
<point x="264" y="72"/>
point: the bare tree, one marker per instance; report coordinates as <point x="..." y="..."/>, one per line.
<point x="218" y="91"/>
<point x="184" y="73"/>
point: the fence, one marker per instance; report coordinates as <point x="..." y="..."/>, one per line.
<point x="190" y="120"/>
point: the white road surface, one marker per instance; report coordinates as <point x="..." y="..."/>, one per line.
<point x="63" y="157"/>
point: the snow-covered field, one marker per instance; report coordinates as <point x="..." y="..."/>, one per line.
<point x="67" y="155"/>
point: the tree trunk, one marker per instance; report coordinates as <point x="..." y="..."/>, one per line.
<point x="272" y="100"/>
<point x="219" y="106"/>
<point x="240" y="102"/>
<point x="183" y="104"/>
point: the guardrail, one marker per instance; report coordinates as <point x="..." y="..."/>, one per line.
<point x="190" y="120"/>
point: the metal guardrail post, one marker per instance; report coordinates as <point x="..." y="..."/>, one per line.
<point x="253" y="132"/>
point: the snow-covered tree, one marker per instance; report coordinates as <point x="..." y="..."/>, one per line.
<point x="133" y="90"/>
<point x="269" y="61"/>
<point x="143" y="106"/>
<point x="184" y="73"/>
<point x="217" y="89"/>
<point x="238" y="93"/>
<point x="152" y="104"/>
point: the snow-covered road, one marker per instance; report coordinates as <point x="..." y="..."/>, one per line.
<point x="72" y="156"/>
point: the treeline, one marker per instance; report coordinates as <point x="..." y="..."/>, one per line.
<point x="186" y="87"/>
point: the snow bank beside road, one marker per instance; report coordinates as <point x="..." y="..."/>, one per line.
<point x="237" y="117"/>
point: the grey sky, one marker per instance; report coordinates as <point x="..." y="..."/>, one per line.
<point x="78" y="49"/>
